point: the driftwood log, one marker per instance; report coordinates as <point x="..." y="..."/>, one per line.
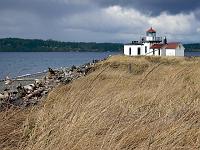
<point x="2" y="96"/>
<point x="35" y="93"/>
<point x="25" y="95"/>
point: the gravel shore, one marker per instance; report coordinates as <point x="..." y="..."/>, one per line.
<point x="29" y="90"/>
<point x="25" y="80"/>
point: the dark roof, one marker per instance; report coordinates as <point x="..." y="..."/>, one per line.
<point x="151" y="30"/>
<point x="135" y="43"/>
<point x="157" y="46"/>
<point x="172" y="45"/>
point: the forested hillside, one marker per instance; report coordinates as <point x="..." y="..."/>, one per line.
<point x="192" y="47"/>
<point x="35" y="45"/>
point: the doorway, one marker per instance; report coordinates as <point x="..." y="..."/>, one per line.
<point x="139" y="51"/>
<point x="130" y="51"/>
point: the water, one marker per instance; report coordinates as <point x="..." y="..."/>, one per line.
<point x="21" y="63"/>
<point x="192" y="54"/>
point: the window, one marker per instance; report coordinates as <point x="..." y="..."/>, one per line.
<point x="145" y="49"/>
<point x="130" y="51"/>
<point x="139" y="51"/>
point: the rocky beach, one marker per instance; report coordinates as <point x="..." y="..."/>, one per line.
<point x="29" y="90"/>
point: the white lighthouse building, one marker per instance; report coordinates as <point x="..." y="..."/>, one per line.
<point x="153" y="45"/>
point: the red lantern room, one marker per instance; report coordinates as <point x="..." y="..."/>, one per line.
<point x="151" y="32"/>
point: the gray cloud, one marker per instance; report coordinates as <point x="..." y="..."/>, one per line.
<point x="99" y="20"/>
<point x="45" y="8"/>
<point x="155" y="7"/>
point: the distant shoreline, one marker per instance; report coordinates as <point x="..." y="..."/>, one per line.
<point x="84" y="51"/>
<point x="38" y="45"/>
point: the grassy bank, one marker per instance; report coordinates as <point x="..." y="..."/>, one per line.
<point x="126" y="103"/>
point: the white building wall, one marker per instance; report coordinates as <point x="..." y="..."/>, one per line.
<point x="142" y="49"/>
<point x="149" y="38"/>
<point x="145" y="50"/>
<point x="126" y="49"/>
<point x="156" y="52"/>
<point x="163" y="52"/>
<point x="170" y="52"/>
<point x="180" y="51"/>
<point x="150" y="52"/>
<point x="134" y="50"/>
<point x="148" y="48"/>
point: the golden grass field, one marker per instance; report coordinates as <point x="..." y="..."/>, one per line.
<point x="143" y="103"/>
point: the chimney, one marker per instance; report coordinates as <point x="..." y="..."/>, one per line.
<point x="165" y="40"/>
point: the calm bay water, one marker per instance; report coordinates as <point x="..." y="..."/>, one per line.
<point x="20" y="63"/>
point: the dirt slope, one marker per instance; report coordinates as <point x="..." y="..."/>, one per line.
<point x="126" y="103"/>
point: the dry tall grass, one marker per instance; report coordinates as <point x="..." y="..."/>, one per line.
<point x="11" y="128"/>
<point x="127" y="103"/>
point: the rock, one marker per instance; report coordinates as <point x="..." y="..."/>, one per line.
<point x="51" y="71"/>
<point x="73" y="68"/>
<point x="35" y="93"/>
<point x="45" y="92"/>
<point x="21" y="91"/>
<point x="81" y="70"/>
<point x="29" y="88"/>
<point x="13" y="92"/>
<point x="8" y="81"/>
<point x="2" y="97"/>
<point x="40" y="82"/>
<point x="16" y="101"/>
<point x="65" y="72"/>
<point x="67" y="80"/>
<point x="95" y="61"/>
<point x="5" y="95"/>
<point x="1" y="103"/>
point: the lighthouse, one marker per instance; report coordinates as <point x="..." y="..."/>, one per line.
<point x="151" y="44"/>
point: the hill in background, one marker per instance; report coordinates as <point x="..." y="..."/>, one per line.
<point x="126" y="103"/>
<point x="27" y="45"/>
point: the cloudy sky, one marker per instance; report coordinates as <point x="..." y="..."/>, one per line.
<point x="100" y="20"/>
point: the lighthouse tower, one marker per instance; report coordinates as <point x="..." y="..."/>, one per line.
<point x="149" y="40"/>
<point x="151" y="37"/>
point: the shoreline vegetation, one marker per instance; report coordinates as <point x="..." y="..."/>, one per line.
<point x="38" y="45"/>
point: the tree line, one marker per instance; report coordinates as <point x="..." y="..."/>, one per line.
<point x="37" y="45"/>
